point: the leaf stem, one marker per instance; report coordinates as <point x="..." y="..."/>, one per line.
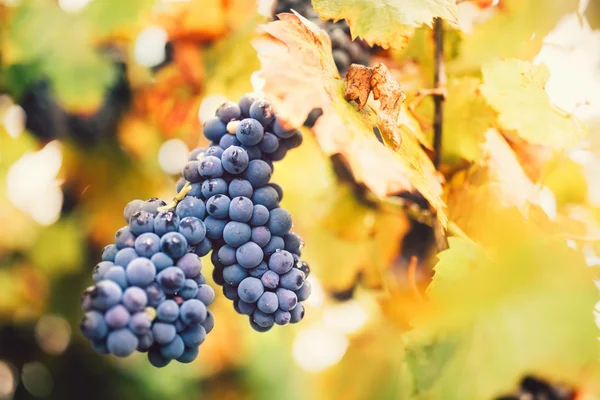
<point x="439" y="82"/>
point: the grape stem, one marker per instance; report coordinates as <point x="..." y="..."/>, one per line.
<point x="439" y="82"/>
<point x="178" y="197"/>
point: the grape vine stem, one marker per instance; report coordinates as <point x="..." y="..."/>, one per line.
<point x="439" y="83"/>
<point x="184" y="190"/>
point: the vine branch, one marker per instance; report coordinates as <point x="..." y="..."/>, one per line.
<point x="439" y="83"/>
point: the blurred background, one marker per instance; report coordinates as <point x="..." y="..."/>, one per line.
<point x="100" y="101"/>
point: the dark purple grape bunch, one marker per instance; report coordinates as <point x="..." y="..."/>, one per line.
<point x="345" y="50"/>
<point x="149" y="293"/>
<point x="256" y="257"/>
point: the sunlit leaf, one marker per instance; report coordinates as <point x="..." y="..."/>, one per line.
<point x="300" y="75"/>
<point x="388" y="23"/>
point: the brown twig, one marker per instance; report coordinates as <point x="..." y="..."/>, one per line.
<point x="439" y="83"/>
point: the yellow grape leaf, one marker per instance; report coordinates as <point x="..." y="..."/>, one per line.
<point x="300" y="75"/>
<point x="515" y="29"/>
<point x="467" y="119"/>
<point x="387" y="23"/>
<point x="107" y="16"/>
<point x="516" y="89"/>
<point x="509" y="315"/>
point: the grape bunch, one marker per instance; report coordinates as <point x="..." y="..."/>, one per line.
<point x="256" y="257"/>
<point x="345" y="50"/>
<point x="149" y="293"/>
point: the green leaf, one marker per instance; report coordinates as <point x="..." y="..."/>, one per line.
<point x="108" y="15"/>
<point x="516" y="89"/>
<point x="387" y="23"/>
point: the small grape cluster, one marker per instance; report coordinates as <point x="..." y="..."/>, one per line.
<point x="149" y="293"/>
<point x="256" y="257"/>
<point x="345" y="50"/>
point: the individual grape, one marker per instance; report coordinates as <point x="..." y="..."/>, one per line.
<point x="266" y="196"/>
<point x="304" y="292"/>
<point x="210" y="167"/>
<point x="297" y="313"/>
<point x="287" y="299"/>
<point x="152" y="205"/>
<point x="156" y="358"/>
<point x="240" y="187"/>
<point x="180" y="184"/>
<point x="161" y="261"/>
<point x="262" y="111"/>
<point x="189" y="354"/>
<point x="192" y="229"/>
<point x="205" y="294"/>
<point x="234" y="274"/>
<point x="194" y="335"/>
<point x="195" y="190"/>
<point x="145" y="341"/>
<point x="218" y="206"/>
<point x="135" y="299"/>
<point x="117" y="317"/>
<point x="141" y="222"/>
<point x="93" y="325"/>
<point x="101" y="269"/>
<point x="154" y="294"/>
<point x="191" y="172"/>
<point x="117" y="275"/>
<point x="245" y="102"/>
<point x="282" y="317"/>
<point x="204" y="247"/>
<point x="293" y="243"/>
<point x="279" y="154"/>
<point x="173" y="244"/>
<point x="278" y="189"/>
<point x="228" y="111"/>
<point x="166" y="221"/>
<point x="270" y="280"/>
<point x="268" y="302"/>
<point x="146" y="245"/>
<point x="226" y="255"/>
<point x="241" y="209"/>
<point x="214" y="227"/>
<point x="140" y="323"/>
<point x="258" y="173"/>
<point x="214" y="151"/>
<point x="281" y="132"/>
<point x="257" y="327"/>
<point x="294" y="141"/>
<point x="249" y="255"/>
<point x="190" y="264"/>
<point x="276" y="243"/>
<point x="109" y="252"/>
<point x="211" y="187"/>
<point x="163" y="332"/>
<point x="263" y="319"/>
<point x="171" y="279"/>
<point x="269" y="143"/>
<point x="193" y="311"/>
<point x="228" y="141"/>
<point x="121" y="342"/>
<point x="260" y="215"/>
<point x="189" y="290"/>
<point x="124" y="238"/>
<point x="125" y="256"/>
<point x="236" y="233"/>
<point x="292" y="280"/>
<point x="261" y="235"/>
<point x="246" y="308"/>
<point x="209" y="322"/>
<point x="312" y="117"/>
<point x="259" y="271"/>
<point x="230" y="292"/>
<point x="281" y="262"/>
<point x="167" y="311"/>
<point x="140" y="272"/>
<point x="250" y="289"/>
<point x="190" y="207"/>
<point x="214" y="129"/>
<point x="131" y="208"/>
<point x="280" y="221"/>
<point x="235" y="159"/>
<point x="304" y="268"/>
<point x="105" y="295"/>
<point x="249" y="132"/>
<point x="254" y="152"/>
